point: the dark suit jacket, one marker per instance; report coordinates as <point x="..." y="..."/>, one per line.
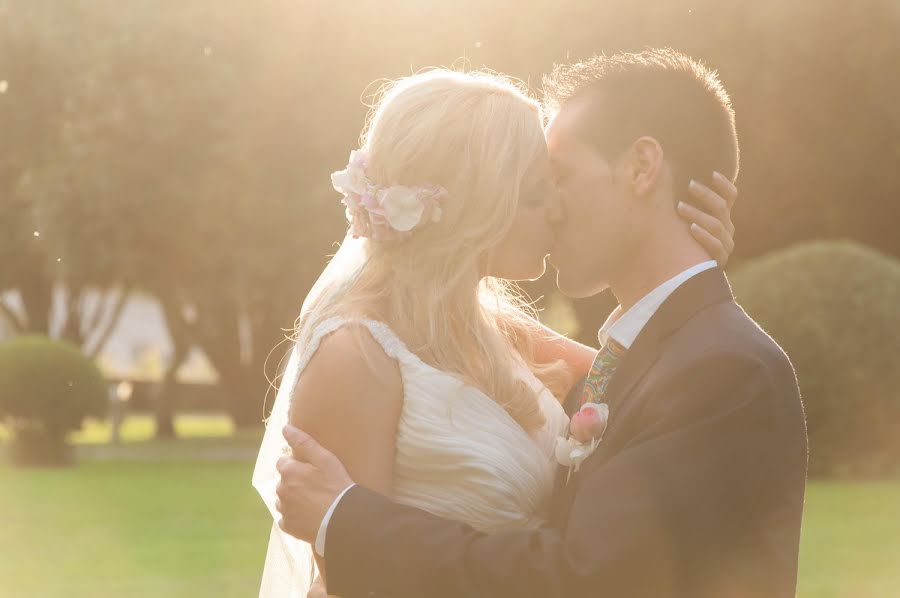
<point x="696" y="490"/>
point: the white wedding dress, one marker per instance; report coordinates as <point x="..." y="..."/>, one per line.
<point x="460" y="455"/>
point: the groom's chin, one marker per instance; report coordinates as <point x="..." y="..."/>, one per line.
<point x="578" y="287"/>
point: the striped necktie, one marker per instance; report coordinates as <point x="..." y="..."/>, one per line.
<point x="602" y="372"/>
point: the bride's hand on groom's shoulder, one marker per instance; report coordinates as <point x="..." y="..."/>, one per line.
<point x="711" y="222"/>
<point x="317" y="589"/>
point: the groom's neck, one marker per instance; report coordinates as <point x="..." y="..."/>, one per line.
<point x="656" y="261"/>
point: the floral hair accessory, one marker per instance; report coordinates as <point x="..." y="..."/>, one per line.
<point x="384" y="213"/>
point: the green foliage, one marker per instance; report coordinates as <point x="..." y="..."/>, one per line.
<point x="47" y="388"/>
<point x="833" y="307"/>
<point x="184" y="148"/>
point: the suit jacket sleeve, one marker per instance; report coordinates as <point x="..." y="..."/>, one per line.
<point x="709" y="438"/>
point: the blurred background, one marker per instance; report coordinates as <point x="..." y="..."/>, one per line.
<point x="165" y="205"/>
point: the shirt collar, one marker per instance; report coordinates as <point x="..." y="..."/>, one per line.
<point x="624" y="327"/>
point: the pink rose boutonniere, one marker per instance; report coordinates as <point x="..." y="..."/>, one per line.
<point x="585" y="433"/>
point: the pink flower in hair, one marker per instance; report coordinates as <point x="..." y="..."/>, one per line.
<point x="384" y="213"/>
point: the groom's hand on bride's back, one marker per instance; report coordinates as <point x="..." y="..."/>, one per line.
<point x="710" y="218"/>
<point x="311" y="480"/>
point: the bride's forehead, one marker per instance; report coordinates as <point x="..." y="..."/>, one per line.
<point x="560" y="134"/>
<point x="564" y="123"/>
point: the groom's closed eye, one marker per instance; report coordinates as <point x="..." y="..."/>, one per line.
<point x="561" y="176"/>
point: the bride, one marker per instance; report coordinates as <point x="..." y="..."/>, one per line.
<point x="414" y="360"/>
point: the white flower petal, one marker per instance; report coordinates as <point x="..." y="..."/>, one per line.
<point x="580" y="453"/>
<point x="402" y="207"/>
<point x="352" y="179"/>
<point x="563" y="451"/>
<point x="340" y="180"/>
<point x="357" y="157"/>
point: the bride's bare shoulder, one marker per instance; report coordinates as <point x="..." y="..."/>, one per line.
<point x="349" y="399"/>
<point x="348" y="373"/>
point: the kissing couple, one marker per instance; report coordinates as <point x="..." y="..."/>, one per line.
<point x="431" y="438"/>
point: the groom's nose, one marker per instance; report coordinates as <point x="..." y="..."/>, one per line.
<point x="556" y="209"/>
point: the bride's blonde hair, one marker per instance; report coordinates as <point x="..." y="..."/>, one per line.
<point x="475" y="134"/>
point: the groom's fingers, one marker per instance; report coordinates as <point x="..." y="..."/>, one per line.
<point x="293" y="473"/>
<point x="306" y="449"/>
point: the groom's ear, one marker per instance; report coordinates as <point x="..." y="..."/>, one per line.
<point x="645" y="165"/>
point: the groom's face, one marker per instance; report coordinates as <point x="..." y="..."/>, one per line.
<point x="594" y="228"/>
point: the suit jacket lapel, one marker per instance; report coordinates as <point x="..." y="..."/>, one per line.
<point x="696" y="294"/>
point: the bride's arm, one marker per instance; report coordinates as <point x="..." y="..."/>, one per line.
<point x="549" y="346"/>
<point x="349" y="397"/>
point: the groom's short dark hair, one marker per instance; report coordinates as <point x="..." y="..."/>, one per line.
<point x="660" y="93"/>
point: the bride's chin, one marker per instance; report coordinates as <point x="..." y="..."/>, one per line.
<point x="534" y="273"/>
<point x="520" y="271"/>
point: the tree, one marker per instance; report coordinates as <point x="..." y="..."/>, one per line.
<point x="51" y="233"/>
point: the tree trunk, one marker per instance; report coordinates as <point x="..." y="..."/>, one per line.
<point x="111" y="319"/>
<point x="71" y="328"/>
<point x="243" y="363"/>
<point x="37" y="298"/>
<point x="164" y="403"/>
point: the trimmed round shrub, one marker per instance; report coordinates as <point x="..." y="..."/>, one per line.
<point x="47" y="388"/>
<point x="834" y="306"/>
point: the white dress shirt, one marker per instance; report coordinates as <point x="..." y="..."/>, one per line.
<point x="624" y="328"/>
<point x="621" y="327"/>
<point x="323" y="527"/>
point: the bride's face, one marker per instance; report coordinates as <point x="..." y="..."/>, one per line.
<point x="521" y="254"/>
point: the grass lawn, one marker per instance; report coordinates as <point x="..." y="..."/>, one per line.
<point x="132" y="529"/>
<point x="158" y="521"/>
<point x="850" y="546"/>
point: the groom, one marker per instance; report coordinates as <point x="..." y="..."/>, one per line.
<point x="697" y="487"/>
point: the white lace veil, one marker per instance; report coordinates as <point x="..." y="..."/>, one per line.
<point x="290" y="567"/>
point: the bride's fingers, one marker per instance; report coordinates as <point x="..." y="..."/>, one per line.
<point x="317" y="589"/>
<point x="713" y="203"/>
<point x="712" y="225"/>
<point x="725" y="188"/>
<point x="713" y="246"/>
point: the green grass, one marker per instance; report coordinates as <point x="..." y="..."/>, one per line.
<point x="151" y="519"/>
<point x="123" y="529"/>
<point x="850" y="546"/>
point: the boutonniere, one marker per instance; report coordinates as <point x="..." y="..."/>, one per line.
<point x="585" y="433"/>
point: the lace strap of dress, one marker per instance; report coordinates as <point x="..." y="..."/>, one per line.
<point x="390" y="342"/>
<point x="381" y="332"/>
<point x="323" y="329"/>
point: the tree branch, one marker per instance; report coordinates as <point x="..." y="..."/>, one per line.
<point x="17" y="323"/>
<point x="114" y="316"/>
